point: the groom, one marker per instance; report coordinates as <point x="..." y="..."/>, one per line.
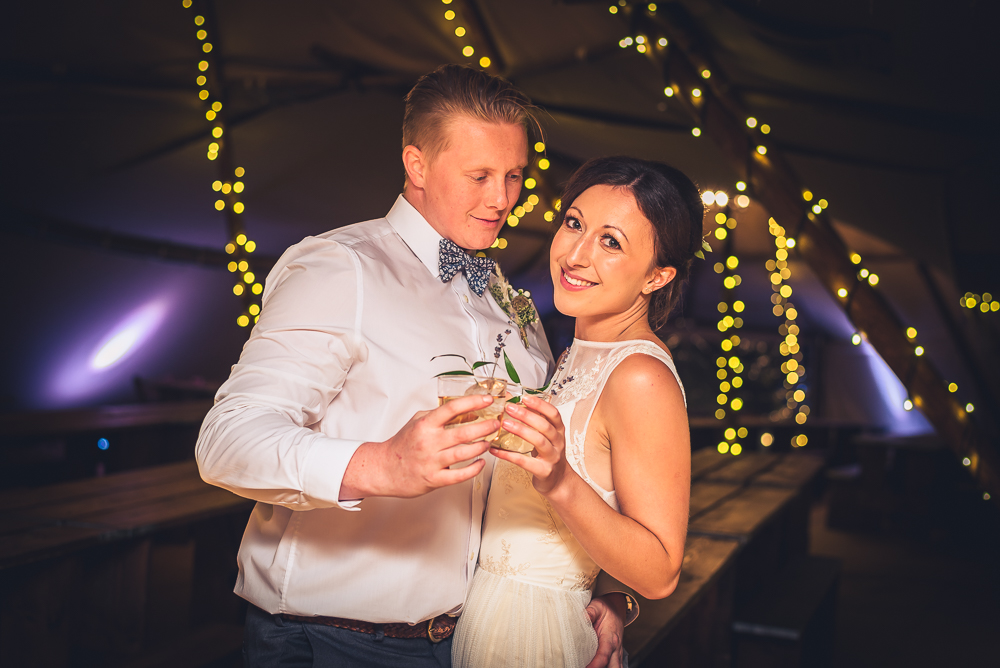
<point x="363" y="543"/>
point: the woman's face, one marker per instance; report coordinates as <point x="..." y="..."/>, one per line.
<point x="602" y="257"/>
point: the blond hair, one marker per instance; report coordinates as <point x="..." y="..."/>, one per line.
<point x="458" y="89"/>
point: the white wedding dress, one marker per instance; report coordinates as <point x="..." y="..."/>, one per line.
<point x="527" y="605"/>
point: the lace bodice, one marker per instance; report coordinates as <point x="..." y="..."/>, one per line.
<point x="523" y="536"/>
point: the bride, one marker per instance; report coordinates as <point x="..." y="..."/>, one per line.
<point x="609" y="483"/>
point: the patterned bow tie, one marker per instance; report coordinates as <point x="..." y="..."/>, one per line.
<point x="451" y="259"/>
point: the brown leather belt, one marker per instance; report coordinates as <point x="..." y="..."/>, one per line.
<point x="435" y="630"/>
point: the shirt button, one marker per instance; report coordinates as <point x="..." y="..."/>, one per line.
<point x="472" y="557"/>
<point x="465" y="299"/>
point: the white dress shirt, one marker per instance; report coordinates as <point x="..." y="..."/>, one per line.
<point x="342" y="355"/>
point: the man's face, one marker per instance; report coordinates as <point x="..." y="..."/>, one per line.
<point x="471" y="186"/>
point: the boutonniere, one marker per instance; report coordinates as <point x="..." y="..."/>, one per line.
<point x="516" y="304"/>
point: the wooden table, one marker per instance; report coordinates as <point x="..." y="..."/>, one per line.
<point x="693" y="621"/>
<point x="110" y="569"/>
<point x="61" y="519"/>
<point x="747" y="517"/>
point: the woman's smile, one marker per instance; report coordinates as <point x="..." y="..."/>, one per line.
<point x="571" y="282"/>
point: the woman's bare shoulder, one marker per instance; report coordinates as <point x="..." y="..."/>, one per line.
<point x="641" y="382"/>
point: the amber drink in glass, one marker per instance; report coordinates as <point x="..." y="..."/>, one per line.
<point x="454" y="387"/>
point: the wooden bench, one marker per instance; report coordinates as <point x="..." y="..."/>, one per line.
<point x="43" y="448"/>
<point x="101" y="570"/>
<point x="768" y="515"/>
<point x="790" y="623"/>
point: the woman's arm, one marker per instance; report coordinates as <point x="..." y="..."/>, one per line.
<point x="642" y="412"/>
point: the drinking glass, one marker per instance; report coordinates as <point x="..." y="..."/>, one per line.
<point x="512" y="442"/>
<point x="454" y="387"/>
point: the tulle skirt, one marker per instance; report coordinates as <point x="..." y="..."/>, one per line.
<point x="510" y="624"/>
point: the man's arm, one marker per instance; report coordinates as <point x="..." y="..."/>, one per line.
<point x="256" y="440"/>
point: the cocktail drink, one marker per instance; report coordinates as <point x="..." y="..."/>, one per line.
<point x="512" y="442"/>
<point x="453" y="387"/>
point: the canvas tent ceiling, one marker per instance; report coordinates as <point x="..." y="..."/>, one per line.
<point x="883" y="107"/>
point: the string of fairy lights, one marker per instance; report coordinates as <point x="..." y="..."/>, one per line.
<point x="534" y="181"/>
<point x="983" y="303"/>
<point x="729" y="364"/>
<point x="790" y="349"/>
<point x="229" y="186"/>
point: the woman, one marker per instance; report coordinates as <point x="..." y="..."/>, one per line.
<point x="609" y="484"/>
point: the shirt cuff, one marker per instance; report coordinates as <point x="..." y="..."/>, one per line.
<point x="324" y="471"/>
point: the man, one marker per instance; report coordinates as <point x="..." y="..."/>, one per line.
<point x="363" y="543"/>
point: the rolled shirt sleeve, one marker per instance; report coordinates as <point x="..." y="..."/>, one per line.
<point x="261" y="440"/>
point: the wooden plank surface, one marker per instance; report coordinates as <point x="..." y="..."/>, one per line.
<point x="704" y="495"/>
<point x="706" y="460"/>
<point x="741" y="469"/>
<point x="172" y="511"/>
<point x="704" y="560"/>
<point x="62" y="518"/>
<point x="91" y="487"/>
<point x="44" y="542"/>
<point x="741" y="515"/>
<point x="796" y="469"/>
<point x="94" y="505"/>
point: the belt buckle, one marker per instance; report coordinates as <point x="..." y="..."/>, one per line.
<point x="430" y="631"/>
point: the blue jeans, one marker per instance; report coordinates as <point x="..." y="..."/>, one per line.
<point x="270" y="641"/>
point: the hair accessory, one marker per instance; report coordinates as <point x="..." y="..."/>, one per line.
<point x="704" y="247"/>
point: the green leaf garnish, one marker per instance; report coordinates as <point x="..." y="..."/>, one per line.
<point x="511" y="371"/>
<point x="479" y="365"/>
<point x="514" y="400"/>
<point x="454" y="373"/>
<point x="450" y="355"/>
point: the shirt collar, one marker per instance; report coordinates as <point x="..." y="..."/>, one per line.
<point x="416" y="233"/>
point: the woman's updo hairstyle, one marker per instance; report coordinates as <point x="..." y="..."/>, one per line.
<point x="668" y="199"/>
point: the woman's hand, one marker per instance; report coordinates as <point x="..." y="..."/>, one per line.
<point x="539" y="423"/>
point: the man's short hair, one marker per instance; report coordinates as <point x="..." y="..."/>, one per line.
<point x="459" y="89"/>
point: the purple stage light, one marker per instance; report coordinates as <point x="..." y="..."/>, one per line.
<point x="96" y="364"/>
<point x="128" y="336"/>
<point x="896" y="419"/>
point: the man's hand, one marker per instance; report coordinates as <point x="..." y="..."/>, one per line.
<point x="607" y="614"/>
<point x="416" y="460"/>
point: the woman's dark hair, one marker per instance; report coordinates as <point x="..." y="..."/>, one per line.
<point x="668" y="199"/>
